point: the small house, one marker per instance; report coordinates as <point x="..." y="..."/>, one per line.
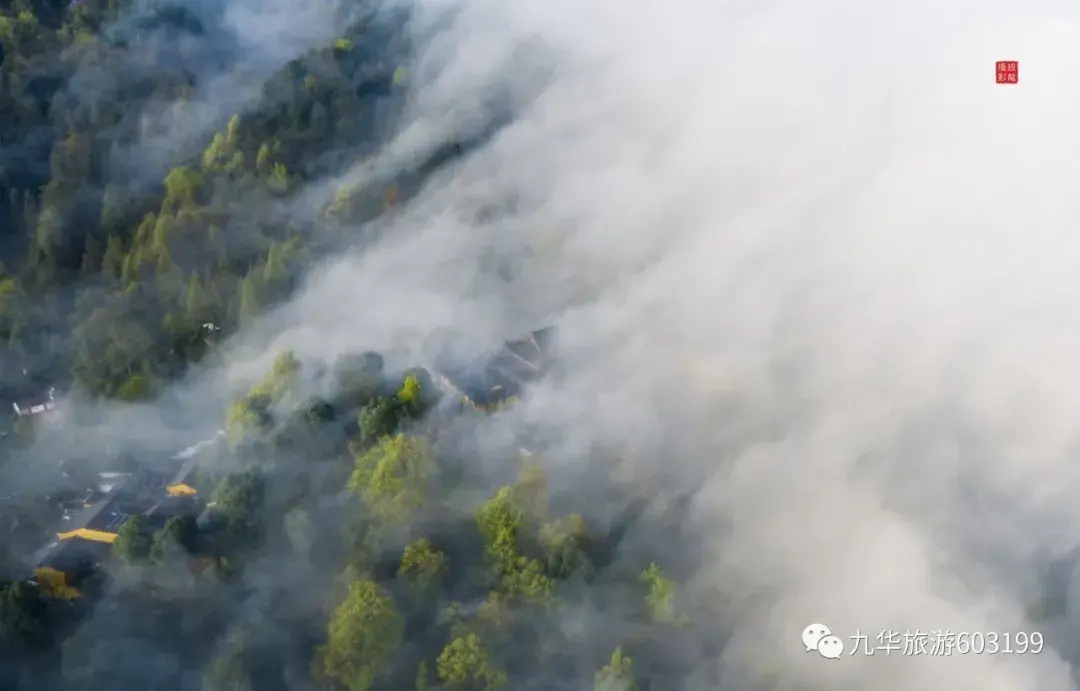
<point x="503" y="376"/>
<point x="98" y="522"/>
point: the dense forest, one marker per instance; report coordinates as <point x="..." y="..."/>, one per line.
<point x="83" y="114"/>
<point x="348" y="545"/>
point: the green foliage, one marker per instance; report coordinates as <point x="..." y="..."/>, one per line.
<point x="252" y="413"/>
<point x="530" y="492"/>
<point x="133" y="540"/>
<point x="222" y="153"/>
<point x="274" y="271"/>
<point x="238" y="502"/>
<point x="422" y="682"/>
<point x="383" y="415"/>
<point x="318" y="412"/>
<point x="246" y="660"/>
<point x="182" y="186"/>
<point x="229" y="671"/>
<point x="393" y="476"/>
<point x="380" y="418"/>
<point x="250" y="306"/>
<point x="363" y="637"/>
<point x="565" y="542"/>
<point x="499" y="521"/>
<point x="115" y="284"/>
<point x="527" y="578"/>
<point x="247" y="416"/>
<point x="617" y="675"/>
<point x="495" y="614"/>
<point x="422" y="564"/>
<point x="138" y="387"/>
<point x="179" y="537"/>
<point x="466" y="665"/>
<point x="409" y="394"/>
<point x="28" y="619"/>
<point x="85" y="213"/>
<point x="263" y="161"/>
<point x="280" y="380"/>
<point x="660" y="598"/>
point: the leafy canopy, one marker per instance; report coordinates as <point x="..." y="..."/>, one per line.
<point x="362" y="638"/>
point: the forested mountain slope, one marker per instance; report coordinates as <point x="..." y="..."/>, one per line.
<point x="118" y="244"/>
<point x="147" y="213"/>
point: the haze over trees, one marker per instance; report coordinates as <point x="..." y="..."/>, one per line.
<point x="343" y="545"/>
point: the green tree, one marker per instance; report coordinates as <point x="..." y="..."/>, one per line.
<point x="247" y="416"/>
<point x="499" y="521"/>
<point x="133" y="540"/>
<point x="249" y="302"/>
<point x="229" y="671"/>
<point x="530" y="493"/>
<point x="252" y="413"/>
<point x="393" y="476"/>
<point x="422" y="564"/>
<point x="112" y="263"/>
<point x="182" y="186"/>
<point x="275" y="279"/>
<point x="527" y="579"/>
<point x="617" y="675"/>
<point x="410" y="395"/>
<point x="246" y="661"/>
<point x="362" y="638"/>
<point x="137" y="387"/>
<point x="281" y="379"/>
<point x="422" y="682"/>
<point x="179" y="537"/>
<point x="222" y="150"/>
<point x="466" y="665"/>
<point x="380" y="418"/>
<point x="116" y="211"/>
<point x="660" y="598"/>
<point x="29" y="621"/>
<point x="238" y="502"/>
<point x="565" y="541"/>
<point x="359" y="377"/>
<point x="264" y="164"/>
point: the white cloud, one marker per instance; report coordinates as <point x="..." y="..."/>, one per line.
<point x="814" y="253"/>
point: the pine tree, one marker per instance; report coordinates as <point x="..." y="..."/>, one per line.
<point x="249" y="297"/>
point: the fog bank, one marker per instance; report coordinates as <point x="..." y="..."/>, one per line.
<point x="809" y="263"/>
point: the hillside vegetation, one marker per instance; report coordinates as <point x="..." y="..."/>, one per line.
<point x="346" y="546"/>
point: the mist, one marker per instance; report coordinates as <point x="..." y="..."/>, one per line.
<point x="813" y="272"/>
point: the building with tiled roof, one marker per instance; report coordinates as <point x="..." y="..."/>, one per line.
<point x="503" y="376"/>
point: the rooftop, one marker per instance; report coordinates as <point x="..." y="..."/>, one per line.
<point x="72" y="555"/>
<point x="99" y="521"/>
<point x="483" y="386"/>
<point x="191" y="458"/>
<point x="535" y="350"/>
<point x="36" y="405"/>
<point x="504" y="374"/>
